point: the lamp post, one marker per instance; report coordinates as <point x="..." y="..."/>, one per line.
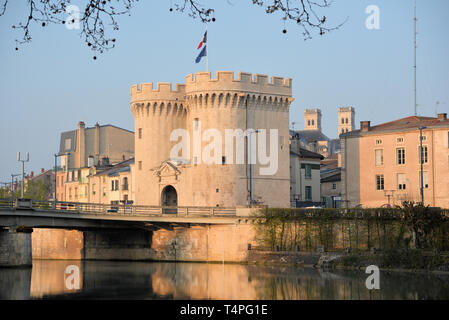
<point x="250" y="131"/>
<point x="23" y="170"/>
<point x="57" y="155"/>
<point x="12" y="184"/>
<point x="421" y="161"/>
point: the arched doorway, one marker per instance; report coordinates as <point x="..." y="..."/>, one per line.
<point x="169" y="198"/>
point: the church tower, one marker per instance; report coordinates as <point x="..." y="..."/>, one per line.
<point x="312" y="119"/>
<point x="346" y="119"/>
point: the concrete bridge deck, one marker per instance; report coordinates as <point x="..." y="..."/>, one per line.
<point x="76" y="215"/>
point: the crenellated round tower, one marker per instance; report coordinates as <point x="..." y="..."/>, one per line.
<point x="157" y="112"/>
<point x="225" y="102"/>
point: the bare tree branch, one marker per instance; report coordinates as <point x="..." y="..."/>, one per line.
<point x="99" y="16"/>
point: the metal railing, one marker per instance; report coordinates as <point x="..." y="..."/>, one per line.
<point x="119" y="209"/>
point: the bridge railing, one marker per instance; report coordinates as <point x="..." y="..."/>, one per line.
<point x="122" y="209"/>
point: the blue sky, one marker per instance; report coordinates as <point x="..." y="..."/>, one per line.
<point x="52" y="83"/>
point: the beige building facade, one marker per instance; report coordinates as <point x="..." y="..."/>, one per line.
<point x="304" y="176"/>
<point x="381" y="164"/>
<point x="208" y="109"/>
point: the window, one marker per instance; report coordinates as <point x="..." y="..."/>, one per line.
<point x="313" y="122"/>
<point x="308" y="171"/>
<point x="342" y="130"/>
<point x="114" y="185"/>
<point x="308" y="193"/>
<point x="223" y="160"/>
<point x="217" y="190"/>
<point x="379" y="157"/>
<point x="140" y="133"/>
<point x="425" y="176"/>
<point x="424" y="138"/>
<point x="140" y="165"/>
<point x="423" y="154"/>
<point x="195" y="160"/>
<point x="378" y="141"/>
<point x="346" y="120"/>
<point x="380" y="182"/>
<point x="402" y="181"/>
<point x="334" y="186"/>
<point x="342" y="120"/>
<point x="196" y="123"/>
<point x="68" y="144"/>
<point x="93" y="189"/>
<point x="400" y="156"/>
<point x="104" y="191"/>
<point x="308" y="122"/>
<point x="399" y="140"/>
<point x="346" y="129"/>
<point x="125" y="183"/>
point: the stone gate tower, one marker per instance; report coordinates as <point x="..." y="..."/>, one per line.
<point x="224" y="111"/>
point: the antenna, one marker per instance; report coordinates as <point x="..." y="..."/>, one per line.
<point x="414" y="67"/>
<point x="293" y="126"/>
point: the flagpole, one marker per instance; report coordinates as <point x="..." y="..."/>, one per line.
<point x="207" y="50"/>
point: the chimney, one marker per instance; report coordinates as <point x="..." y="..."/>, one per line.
<point x="97" y="141"/>
<point x="42" y="170"/>
<point x="81" y="147"/>
<point x="365" y="125"/>
<point x="442" y="116"/>
<point x="32" y="175"/>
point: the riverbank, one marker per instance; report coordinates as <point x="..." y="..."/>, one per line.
<point x="410" y="260"/>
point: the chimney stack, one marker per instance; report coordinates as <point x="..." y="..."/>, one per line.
<point x="365" y="125"/>
<point x="32" y="175"/>
<point x="42" y="170"/>
<point x="442" y="116"/>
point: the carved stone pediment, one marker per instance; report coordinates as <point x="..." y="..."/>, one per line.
<point x="167" y="170"/>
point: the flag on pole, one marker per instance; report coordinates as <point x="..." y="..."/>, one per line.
<point x="202" y="54"/>
<point x="204" y="40"/>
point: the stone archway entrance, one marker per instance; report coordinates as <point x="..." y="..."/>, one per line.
<point x="169" y="198"/>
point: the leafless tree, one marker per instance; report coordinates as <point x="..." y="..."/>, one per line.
<point x="100" y="16"/>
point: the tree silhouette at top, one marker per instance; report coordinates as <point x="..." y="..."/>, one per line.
<point x="99" y="16"/>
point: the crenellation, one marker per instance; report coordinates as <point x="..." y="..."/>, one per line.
<point x="261" y="79"/>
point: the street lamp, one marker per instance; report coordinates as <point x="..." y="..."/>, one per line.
<point x="12" y="184"/>
<point x="250" y="131"/>
<point x="57" y="155"/>
<point x="422" y="161"/>
<point x="23" y="170"/>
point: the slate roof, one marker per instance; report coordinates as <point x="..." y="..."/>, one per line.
<point x="309" y="135"/>
<point x="304" y="153"/>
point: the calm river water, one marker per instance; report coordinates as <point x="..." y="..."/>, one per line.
<point x="155" y="280"/>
